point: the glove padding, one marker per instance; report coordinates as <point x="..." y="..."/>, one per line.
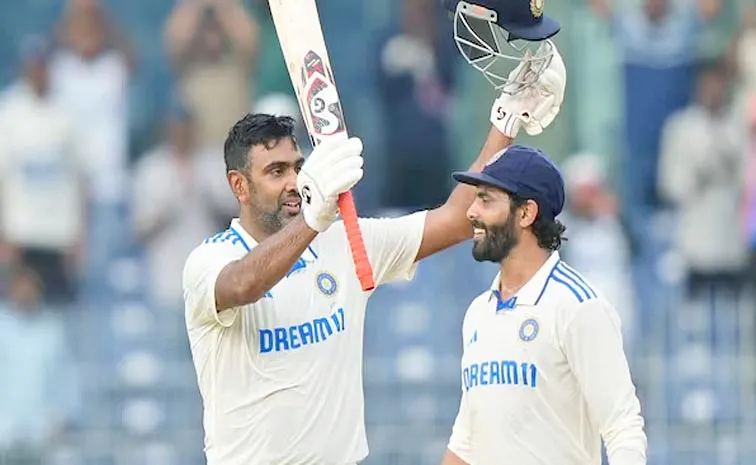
<point x="534" y="107"/>
<point x="333" y="167"/>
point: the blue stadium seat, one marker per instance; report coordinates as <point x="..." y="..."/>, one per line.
<point x="693" y="457"/>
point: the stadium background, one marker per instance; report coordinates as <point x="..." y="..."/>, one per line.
<point x="106" y="377"/>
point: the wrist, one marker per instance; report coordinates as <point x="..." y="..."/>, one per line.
<point x="302" y="222"/>
<point x="321" y="219"/>
<point x="509" y="126"/>
<point x="498" y="138"/>
<point x="311" y="220"/>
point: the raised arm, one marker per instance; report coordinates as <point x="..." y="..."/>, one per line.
<point x="241" y="28"/>
<point x="246" y="280"/>
<point x="532" y="109"/>
<point x="181" y="28"/>
<point x="332" y="168"/>
<point x="447" y="225"/>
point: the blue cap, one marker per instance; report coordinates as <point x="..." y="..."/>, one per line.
<point x="523" y="171"/>
<point x="523" y="19"/>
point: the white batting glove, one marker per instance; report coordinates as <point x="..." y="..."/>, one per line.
<point x="536" y="106"/>
<point x="333" y="167"/>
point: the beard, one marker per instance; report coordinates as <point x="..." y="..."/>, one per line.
<point x="274" y="219"/>
<point x="498" y="242"/>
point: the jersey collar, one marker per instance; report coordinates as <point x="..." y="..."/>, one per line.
<point x="236" y="227"/>
<point x="531" y="292"/>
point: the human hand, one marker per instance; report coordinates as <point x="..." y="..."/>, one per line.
<point x="534" y="107"/>
<point x="333" y="167"/>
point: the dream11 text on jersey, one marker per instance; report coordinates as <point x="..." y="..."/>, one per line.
<point x="284" y="338"/>
<point x="498" y="372"/>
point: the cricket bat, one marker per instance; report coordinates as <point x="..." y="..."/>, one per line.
<point x="301" y="37"/>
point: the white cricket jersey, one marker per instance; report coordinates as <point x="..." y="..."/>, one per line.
<point x="544" y="377"/>
<point x="281" y="379"/>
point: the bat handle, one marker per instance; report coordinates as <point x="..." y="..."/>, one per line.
<point x="354" y="235"/>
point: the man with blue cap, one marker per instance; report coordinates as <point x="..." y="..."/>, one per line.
<point x="274" y="312"/>
<point x="544" y="374"/>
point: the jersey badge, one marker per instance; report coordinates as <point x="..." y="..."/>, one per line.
<point x="327" y="283"/>
<point x="529" y="330"/>
<point x="536" y="8"/>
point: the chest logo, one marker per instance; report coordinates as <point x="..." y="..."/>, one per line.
<point x="474" y="338"/>
<point x="529" y="330"/>
<point x="327" y="283"/>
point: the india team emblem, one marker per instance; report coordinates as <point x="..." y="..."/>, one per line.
<point x="536" y="7"/>
<point x="529" y="330"/>
<point x="326" y="283"/>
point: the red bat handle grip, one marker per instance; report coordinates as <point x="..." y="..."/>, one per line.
<point x="354" y="235"/>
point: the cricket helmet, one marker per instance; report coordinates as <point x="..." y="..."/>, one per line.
<point x="506" y="40"/>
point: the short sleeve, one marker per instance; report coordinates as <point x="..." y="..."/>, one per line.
<point x="392" y="245"/>
<point x="201" y="270"/>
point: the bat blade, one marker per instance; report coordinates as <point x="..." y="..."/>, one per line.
<point x="300" y="35"/>
<point x="326" y="116"/>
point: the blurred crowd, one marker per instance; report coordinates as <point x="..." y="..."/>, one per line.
<point x="79" y="178"/>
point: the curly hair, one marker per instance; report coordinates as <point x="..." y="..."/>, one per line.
<point x="548" y="232"/>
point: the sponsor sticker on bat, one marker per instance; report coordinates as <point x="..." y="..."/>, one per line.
<point x="321" y="97"/>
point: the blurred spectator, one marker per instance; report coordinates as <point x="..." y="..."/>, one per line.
<point x="414" y="82"/>
<point x="597" y="243"/>
<point x="42" y="195"/>
<point x="213" y="45"/>
<point x="90" y="78"/>
<point x="700" y="173"/>
<point x="271" y="75"/>
<point x="657" y="41"/>
<point x="749" y="206"/>
<point x="180" y="198"/>
<point x="742" y="56"/>
<point x="40" y="396"/>
<point x="742" y="61"/>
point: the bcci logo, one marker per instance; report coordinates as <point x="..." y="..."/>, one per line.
<point x="536" y="7"/>
<point x="529" y="330"/>
<point x="326" y="283"/>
